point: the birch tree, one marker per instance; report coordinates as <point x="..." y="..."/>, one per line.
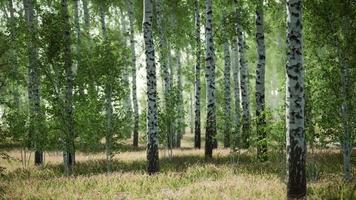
<point x="197" y="129"/>
<point x="227" y="71"/>
<point x="69" y="135"/>
<point x="33" y="80"/>
<point x="245" y="102"/>
<point x="108" y="98"/>
<point x="180" y="124"/>
<point x="152" y="115"/>
<point x="235" y="69"/>
<point x="260" y="83"/>
<point x="134" y="71"/>
<point x="210" y="80"/>
<point x="296" y="144"/>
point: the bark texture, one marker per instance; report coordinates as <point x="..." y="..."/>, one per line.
<point x="260" y="84"/>
<point x="210" y="80"/>
<point x="245" y="134"/>
<point x="69" y="151"/>
<point x="235" y="67"/>
<point x="33" y="81"/>
<point x="197" y="88"/>
<point x="227" y="75"/>
<point x="134" y="75"/>
<point x="296" y="143"/>
<point x="152" y="115"/>
<point x="181" y="127"/>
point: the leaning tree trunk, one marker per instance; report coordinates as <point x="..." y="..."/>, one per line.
<point x="181" y="127"/>
<point x="69" y="151"/>
<point x="210" y="80"/>
<point x="227" y="71"/>
<point x="260" y="85"/>
<point x="236" y="137"/>
<point x="108" y="97"/>
<point x="197" y="129"/>
<point x="243" y="84"/>
<point x="33" y="82"/>
<point x="133" y="68"/>
<point x="152" y="115"/>
<point x="296" y="144"/>
<point x="164" y="68"/>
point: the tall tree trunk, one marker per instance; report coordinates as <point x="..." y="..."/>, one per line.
<point x="133" y="65"/>
<point x="260" y="84"/>
<point x="33" y="81"/>
<point x="78" y="38"/>
<point x="13" y="57"/>
<point x="164" y="68"/>
<point x="152" y="115"/>
<point x="243" y="84"/>
<point x="197" y="129"/>
<point x="108" y="97"/>
<point x="296" y="145"/>
<point x="345" y="115"/>
<point x="210" y="80"/>
<point x="236" y="137"/>
<point x="127" y="99"/>
<point x="227" y="75"/>
<point x="172" y="126"/>
<point x="69" y="150"/>
<point x="91" y="79"/>
<point x="181" y="127"/>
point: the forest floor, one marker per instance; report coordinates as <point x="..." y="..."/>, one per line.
<point x="186" y="175"/>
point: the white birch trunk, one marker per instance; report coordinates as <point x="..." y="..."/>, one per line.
<point x="210" y="81"/>
<point x="152" y="115"/>
<point x="296" y="144"/>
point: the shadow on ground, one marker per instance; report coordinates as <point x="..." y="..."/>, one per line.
<point x="328" y="163"/>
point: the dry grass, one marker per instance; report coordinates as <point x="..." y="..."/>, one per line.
<point x="185" y="176"/>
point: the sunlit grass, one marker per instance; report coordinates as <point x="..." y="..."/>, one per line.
<point x="187" y="175"/>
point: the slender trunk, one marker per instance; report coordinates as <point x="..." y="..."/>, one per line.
<point x="245" y="134"/>
<point x="346" y="144"/>
<point x="152" y="115"/>
<point x="181" y="127"/>
<point x="108" y="97"/>
<point x="210" y="80"/>
<point x="78" y="38"/>
<point x="345" y="106"/>
<point x="172" y="129"/>
<point x="227" y="71"/>
<point x="133" y="65"/>
<point x="236" y="137"/>
<point x="69" y="154"/>
<point x="127" y="100"/>
<point x="91" y="85"/>
<point x="164" y="68"/>
<point x="197" y="129"/>
<point x="13" y="56"/>
<point x="33" y="81"/>
<point x="260" y="85"/>
<point x="296" y="145"/>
